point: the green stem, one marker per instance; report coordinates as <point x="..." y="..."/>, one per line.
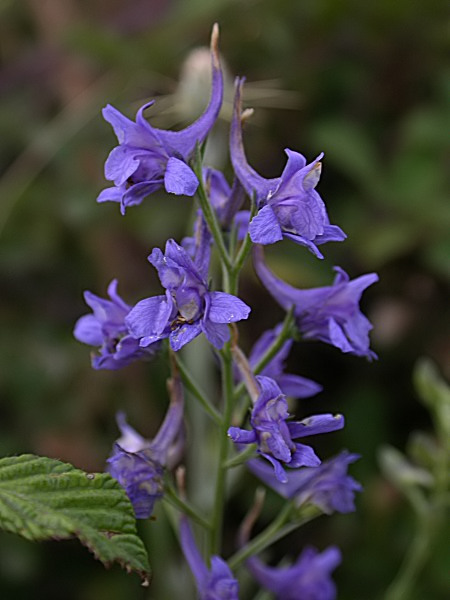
<point x="184" y="507"/>
<point x="277" y="529"/>
<point x="276" y="346"/>
<point x="210" y="215"/>
<point x="241" y="256"/>
<point x="241" y="457"/>
<point x="195" y="390"/>
<point x="215" y="539"/>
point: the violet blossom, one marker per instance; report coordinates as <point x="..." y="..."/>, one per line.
<point x="148" y="158"/>
<point x="138" y="464"/>
<point x="106" y="329"/>
<point x="328" y="486"/>
<point x="330" y="314"/>
<point x="188" y="307"/>
<point x="216" y="583"/>
<point x="309" y="578"/>
<point x="275" y="436"/>
<point x="289" y="206"/>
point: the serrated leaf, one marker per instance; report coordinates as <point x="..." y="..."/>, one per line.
<point x="42" y="498"/>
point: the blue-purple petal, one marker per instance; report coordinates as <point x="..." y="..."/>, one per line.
<point x="296" y="386"/>
<point x="242" y="436"/>
<point x="217" y="334"/>
<point x="88" y="330"/>
<point x="183" y="334"/>
<point x="264" y="228"/>
<point x="315" y="425"/>
<point x="226" y="308"/>
<point x="148" y="317"/>
<point x="179" y="178"/>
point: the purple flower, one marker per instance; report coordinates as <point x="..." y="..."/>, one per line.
<point x="147" y="158"/>
<point x="106" y="329"/>
<point x="309" y="578"/>
<point x="188" y="308"/>
<point x="274" y="435"/>
<point x="328" y="486"/>
<point x="138" y="464"/>
<point x="218" y="582"/>
<point x="331" y="313"/>
<point x="291" y="385"/>
<point x="289" y="205"/>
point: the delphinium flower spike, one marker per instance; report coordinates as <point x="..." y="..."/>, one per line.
<point x="275" y="436"/>
<point x="289" y="206"/>
<point x="148" y="158"/>
<point x="188" y="308"/>
<point x="330" y="314"/>
<point x="105" y="328"/>
<point x="138" y="464"/>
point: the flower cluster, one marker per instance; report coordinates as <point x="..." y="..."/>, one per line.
<point x="138" y="464"/>
<point x="275" y="437"/>
<point x="188" y="308"/>
<point x="148" y="159"/>
<point x="106" y="328"/>
<point x="254" y="412"/>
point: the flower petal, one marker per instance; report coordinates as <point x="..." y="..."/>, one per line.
<point x="183" y="335"/>
<point x="179" y="179"/>
<point x="304" y="456"/>
<point x="226" y="308"/>
<point x="264" y="228"/>
<point x="130" y="440"/>
<point x="148" y="317"/>
<point x="296" y="386"/>
<point x="280" y="473"/>
<point x="217" y="334"/>
<point x="111" y="194"/>
<point x="121" y="164"/>
<point x="88" y="330"/>
<point x="241" y="436"/>
<point x="316" y="424"/>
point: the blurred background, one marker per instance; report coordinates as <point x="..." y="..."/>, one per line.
<point x="365" y="82"/>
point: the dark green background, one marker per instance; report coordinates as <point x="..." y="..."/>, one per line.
<point x="370" y="88"/>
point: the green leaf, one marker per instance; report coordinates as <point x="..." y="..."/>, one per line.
<point x="42" y="498"/>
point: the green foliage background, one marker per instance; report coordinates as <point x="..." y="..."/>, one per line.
<point x="371" y="89"/>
